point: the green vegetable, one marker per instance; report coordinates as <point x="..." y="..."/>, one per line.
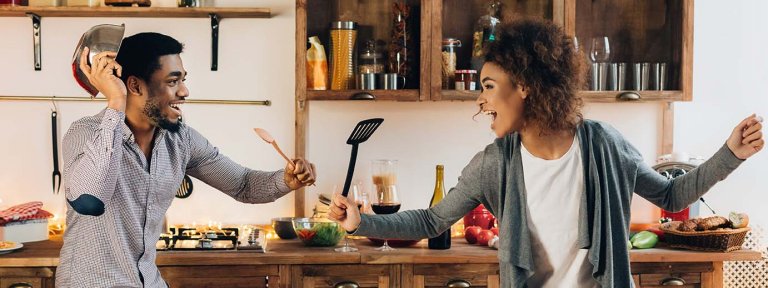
<point x="322" y="234"/>
<point x="629" y="245"/>
<point x="644" y="240"/>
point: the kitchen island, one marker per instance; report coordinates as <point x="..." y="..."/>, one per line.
<point x="289" y="264"/>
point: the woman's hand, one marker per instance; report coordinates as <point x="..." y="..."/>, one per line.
<point x="340" y="212"/>
<point x="747" y="138"/>
<point x="298" y="174"/>
<point x="101" y="74"/>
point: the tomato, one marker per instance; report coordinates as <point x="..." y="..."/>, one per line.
<point x="470" y="234"/>
<point x="495" y="231"/>
<point x="484" y="237"/>
<point x="307" y="234"/>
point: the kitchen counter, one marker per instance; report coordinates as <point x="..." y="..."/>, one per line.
<point x="291" y="256"/>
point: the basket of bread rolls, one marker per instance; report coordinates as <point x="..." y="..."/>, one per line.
<point x="714" y="233"/>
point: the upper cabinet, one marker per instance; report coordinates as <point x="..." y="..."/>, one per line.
<point x="648" y="55"/>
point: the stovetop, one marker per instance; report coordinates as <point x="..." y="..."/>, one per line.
<point x="192" y="239"/>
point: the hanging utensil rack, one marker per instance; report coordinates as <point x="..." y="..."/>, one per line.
<point x="87" y="99"/>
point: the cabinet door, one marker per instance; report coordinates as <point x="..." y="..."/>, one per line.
<point x="445" y="275"/>
<point x="457" y="19"/>
<point x="37" y="277"/>
<point x="311" y="276"/>
<point x="375" y="20"/>
<point x="221" y="276"/>
<point x="672" y="274"/>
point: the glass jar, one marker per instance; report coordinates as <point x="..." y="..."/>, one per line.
<point x="485" y="32"/>
<point x="342" y="64"/>
<point x="466" y="80"/>
<point x="400" y="61"/>
<point x="371" y="60"/>
<point x="449" y="61"/>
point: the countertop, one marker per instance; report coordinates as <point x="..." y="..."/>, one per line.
<point x="282" y="252"/>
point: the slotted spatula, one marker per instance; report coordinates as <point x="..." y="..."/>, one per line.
<point x="360" y="134"/>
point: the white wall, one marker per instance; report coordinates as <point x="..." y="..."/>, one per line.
<point x="729" y="84"/>
<point x="256" y="62"/>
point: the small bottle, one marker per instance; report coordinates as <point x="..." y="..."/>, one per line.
<point x="442" y="241"/>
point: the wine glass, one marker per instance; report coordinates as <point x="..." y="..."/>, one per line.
<point x="386" y="199"/>
<point x="359" y="197"/>
<point x="601" y="50"/>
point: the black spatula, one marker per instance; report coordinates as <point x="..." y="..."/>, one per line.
<point x="362" y="132"/>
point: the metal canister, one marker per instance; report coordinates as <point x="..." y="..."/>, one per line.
<point x="342" y="64"/>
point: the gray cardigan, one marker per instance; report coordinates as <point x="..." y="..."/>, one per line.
<point x="614" y="169"/>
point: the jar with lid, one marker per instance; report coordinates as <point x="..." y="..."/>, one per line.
<point x="449" y="61"/>
<point x="371" y="60"/>
<point x="466" y="80"/>
<point x="343" y="58"/>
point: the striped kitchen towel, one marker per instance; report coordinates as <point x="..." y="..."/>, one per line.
<point x="24" y="211"/>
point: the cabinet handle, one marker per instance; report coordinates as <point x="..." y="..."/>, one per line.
<point x="672" y="281"/>
<point x="458" y="283"/>
<point x="346" y="284"/>
<point x="21" y="285"/>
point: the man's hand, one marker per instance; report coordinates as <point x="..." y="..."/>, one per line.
<point x="298" y="174"/>
<point x="340" y="212"/>
<point x="747" y="138"/>
<point x="102" y="75"/>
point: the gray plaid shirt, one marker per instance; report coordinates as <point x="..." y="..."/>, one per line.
<point x="117" y="199"/>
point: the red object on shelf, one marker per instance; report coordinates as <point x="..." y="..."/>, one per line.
<point x="677" y="216"/>
<point x="479" y="217"/>
<point x="11" y="3"/>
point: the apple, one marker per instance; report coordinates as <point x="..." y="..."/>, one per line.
<point x="470" y="234"/>
<point x="484" y="237"/>
<point x="495" y="231"/>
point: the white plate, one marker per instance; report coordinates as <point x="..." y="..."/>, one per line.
<point x="9" y="250"/>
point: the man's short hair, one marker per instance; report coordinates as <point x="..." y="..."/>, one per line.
<point x="140" y="54"/>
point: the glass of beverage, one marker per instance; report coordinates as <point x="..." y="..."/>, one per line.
<point x="360" y="198"/>
<point x="386" y="199"/>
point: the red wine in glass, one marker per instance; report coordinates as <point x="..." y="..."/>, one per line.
<point x="385" y="208"/>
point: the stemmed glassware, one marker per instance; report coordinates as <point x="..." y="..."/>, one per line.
<point x="358" y="196"/>
<point x="601" y="50"/>
<point x="386" y="199"/>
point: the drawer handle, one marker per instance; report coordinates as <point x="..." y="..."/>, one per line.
<point x="20" y="285"/>
<point x="672" y="281"/>
<point x="458" y="283"/>
<point x="346" y="284"/>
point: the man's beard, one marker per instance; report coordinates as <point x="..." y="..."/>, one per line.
<point x="155" y="114"/>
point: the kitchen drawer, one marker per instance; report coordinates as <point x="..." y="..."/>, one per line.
<point x="671" y="279"/>
<point x="20" y="282"/>
<point x="221" y="276"/>
<point x="440" y="275"/>
<point x="380" y="276"/>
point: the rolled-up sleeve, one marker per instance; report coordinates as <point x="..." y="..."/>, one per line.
<point x="240" y="183"/>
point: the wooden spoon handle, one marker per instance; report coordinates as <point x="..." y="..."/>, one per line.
<point x="274" y="144"/>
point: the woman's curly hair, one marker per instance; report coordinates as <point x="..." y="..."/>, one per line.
<point x="540" y="56"/>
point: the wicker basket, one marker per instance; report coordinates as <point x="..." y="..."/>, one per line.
<point x="721" y="240"/>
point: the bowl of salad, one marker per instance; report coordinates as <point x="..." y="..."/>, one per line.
<point x="318" y="232"/>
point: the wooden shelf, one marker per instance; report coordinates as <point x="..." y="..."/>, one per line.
<point x="145" y="12"/>
<point x="589" y="96"/>
<point x="386" y="95"/>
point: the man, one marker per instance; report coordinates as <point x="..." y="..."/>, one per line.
<point x="124" y="165"/>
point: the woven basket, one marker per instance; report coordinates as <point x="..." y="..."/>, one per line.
<point x="721" y="240"/>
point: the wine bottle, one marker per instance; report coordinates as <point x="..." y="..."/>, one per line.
<point x="442" y="241"/>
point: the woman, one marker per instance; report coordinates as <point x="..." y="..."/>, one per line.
<point x="560" y="186"/>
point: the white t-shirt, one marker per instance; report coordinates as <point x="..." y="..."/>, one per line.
<point x="553" y="194"/>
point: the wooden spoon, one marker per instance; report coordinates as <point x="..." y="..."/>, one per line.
<point x="269" y="139"/>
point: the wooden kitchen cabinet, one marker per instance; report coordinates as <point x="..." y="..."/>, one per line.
<point x="380" y="276"/>
<point x="638" y="31"/>
<point x="26" y="277"/>
<point x="221" y="276"/>
<point x="446" y="275"/>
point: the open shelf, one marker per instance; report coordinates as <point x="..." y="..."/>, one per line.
<point x="387" y="95"/>
<point x="148" y="12"/>
<point x="588" y="96"/>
